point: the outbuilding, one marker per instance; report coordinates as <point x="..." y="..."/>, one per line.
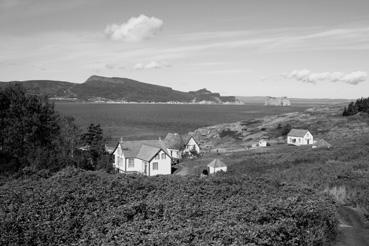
<point x="216" y="166"/>
<point x="321" y="144"/>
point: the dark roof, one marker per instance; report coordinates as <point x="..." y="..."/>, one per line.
<point x="216" y="163"/>
<point x="173" y="141"/>
<point x="142" y="149"/>
<point x="298" y="132"/>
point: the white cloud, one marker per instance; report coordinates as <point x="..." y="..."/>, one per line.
<point x="151" y="65"/>
<point x="135" y="29"/>
<point x="307" y="76"/>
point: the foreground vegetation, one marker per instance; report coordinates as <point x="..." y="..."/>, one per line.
<point x="76" y="207"/>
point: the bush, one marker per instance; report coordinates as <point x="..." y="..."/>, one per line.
<point x="76" y="207"/>
<point x="229" y="133"/>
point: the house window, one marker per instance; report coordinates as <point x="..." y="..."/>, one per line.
<point x="155" y="166"/>
<point x="163" y="156"/>
<point x="157" y="157"/>
<point x="131" y="163"/>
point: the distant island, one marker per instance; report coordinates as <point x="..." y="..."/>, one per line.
<point x="99" y="89"/>
<point x="277" y="101"/>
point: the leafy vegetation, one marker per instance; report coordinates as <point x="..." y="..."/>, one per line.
<point x="30" y="130"/>
<point x="33" y="136"/>
<point x="230" y="133"/>
<point x="76" y="207"/>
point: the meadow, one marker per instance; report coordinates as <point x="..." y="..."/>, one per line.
<point x="135" y="121"/>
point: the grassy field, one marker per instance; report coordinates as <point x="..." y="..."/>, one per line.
<point x="151" y="121"/>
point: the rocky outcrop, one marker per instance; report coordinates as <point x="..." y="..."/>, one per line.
<point x="277" y="101"/>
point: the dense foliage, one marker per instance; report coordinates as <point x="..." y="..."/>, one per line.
<point x="360" y="105"/>
<point x="94" y="208"/>
<point x="31" y="132"/>
<point x="33" y="136"/>
<point x="92" y="154"/>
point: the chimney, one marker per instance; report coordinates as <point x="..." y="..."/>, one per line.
<point x="121" y="140"/>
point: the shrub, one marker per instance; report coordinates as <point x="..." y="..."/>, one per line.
<point x="76" y="207"/>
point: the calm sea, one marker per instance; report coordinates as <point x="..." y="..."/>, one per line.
<point x="137" y="121"/>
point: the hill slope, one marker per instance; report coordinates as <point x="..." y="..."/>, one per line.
<point x="98" y="88"/>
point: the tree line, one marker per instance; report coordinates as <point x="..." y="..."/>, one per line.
<point x="34" y="136"/>
<point x="360" y="105"/>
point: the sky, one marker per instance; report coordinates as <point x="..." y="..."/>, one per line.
<point x="294" y="48"/>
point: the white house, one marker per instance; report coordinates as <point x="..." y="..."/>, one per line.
<point x="263" y="143"/>
<point x="300" y="137"/>
<point x="174" y="144"/>
<point x="148" y="157"/>
<point x="216" y="166"/>
<point x="191" y="145"/>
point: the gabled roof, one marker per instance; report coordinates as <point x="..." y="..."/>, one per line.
<point x="216" y="163"/>
<point x="321" y="143"/>
<point x="142" y="149"/>
<point x="174" y="141"/>
<point x="188" y="138"/>
<point x="298" y="133"/>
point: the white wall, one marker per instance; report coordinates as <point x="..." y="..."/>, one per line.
<point x="217" y="169"/>
<point x="191" y="143"/>
<point x="175" y="153"/>
<point x="138" y="165"/>
<point x="307" y="139"/>
<point x="119" y="159"/>
<point x="262" y="143"/>
<point x="164" y="165"/>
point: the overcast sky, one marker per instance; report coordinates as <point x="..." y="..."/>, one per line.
<point x="295" y="48"/>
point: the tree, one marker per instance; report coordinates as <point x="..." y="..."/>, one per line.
<point x="29" y="130"/>
<point x="93" y="156"/>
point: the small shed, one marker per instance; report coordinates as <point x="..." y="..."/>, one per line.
<point x="216" y="166"/>
<point x="320" y="144"/>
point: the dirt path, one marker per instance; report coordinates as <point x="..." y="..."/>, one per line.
<point x="352" y="229"/>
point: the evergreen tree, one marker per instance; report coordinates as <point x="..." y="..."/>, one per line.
<point x="30" y="131"/>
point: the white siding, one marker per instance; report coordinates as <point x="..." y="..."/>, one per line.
<point x="175" y="153"/>
<point x="263" y="143"/>
<point x="213" y="170"/>
<point x="137" y="167"/>
<point x="191" y="143"/>
<point x="307" y="139"/>
<point x="119" y="160"/>
<point x="164" y="165"/>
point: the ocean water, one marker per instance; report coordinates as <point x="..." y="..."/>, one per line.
<point x="138" y="121"/>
